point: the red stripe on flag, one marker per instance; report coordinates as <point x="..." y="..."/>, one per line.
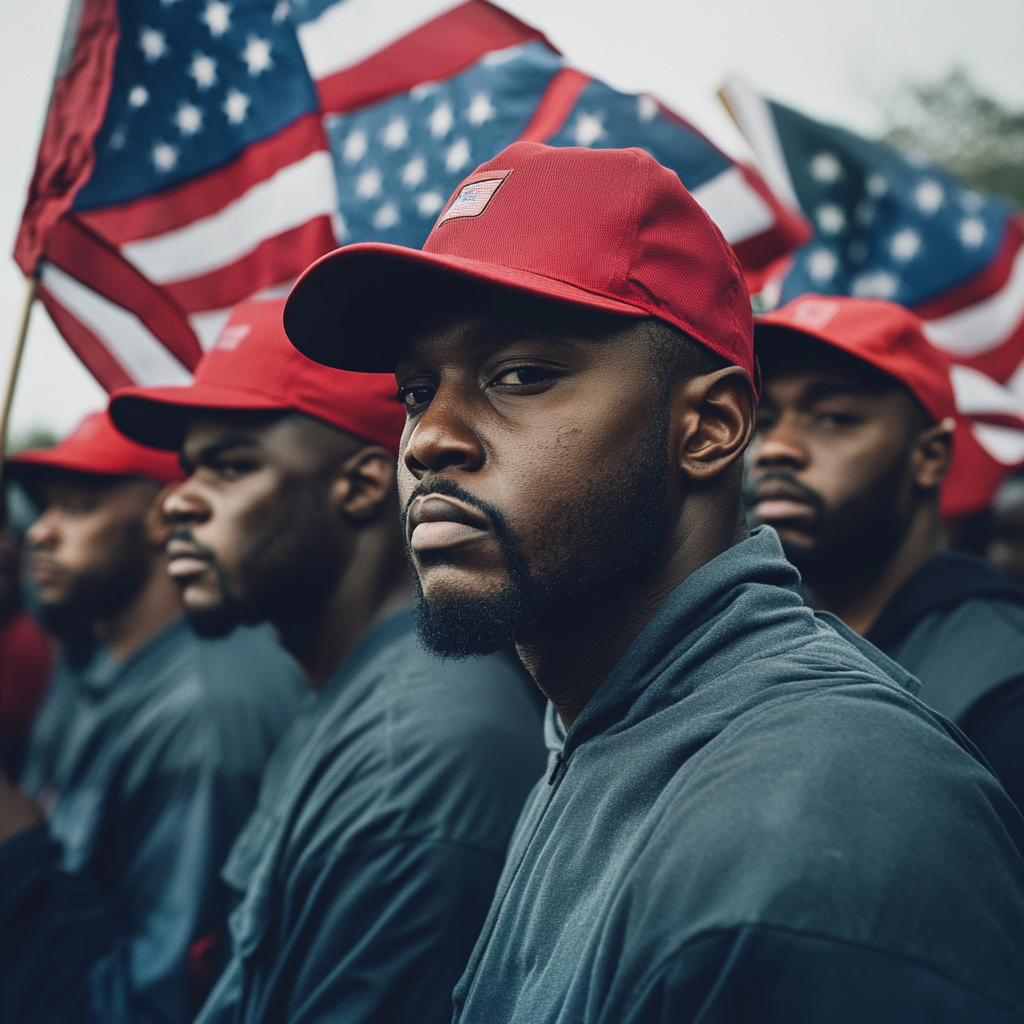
<point x="758" y="254"/>
<point x="974" y="476"/>
<point x="78" y="252"/>
<point x="90" y="349"/>
<point x="1001" y="362"/>
<point x="443" y="47"/>
<point x="274" y="261"/>
<point x="555" y="105"/>
<point x="982" y="285"/>
<point x="166" y="211"/>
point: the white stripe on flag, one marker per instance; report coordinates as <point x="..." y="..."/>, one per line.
<point x="978" y="394"/>
<point x="755" y="121"/>
<point x="291" y="197"/>
<point x="1004" y="444"/>
<point x="349" y="32"/>
<point x="734" y="206"/>
<point x="141" y="353"/>
<point x="209" y="323"/>
<point x="983" y="325"/>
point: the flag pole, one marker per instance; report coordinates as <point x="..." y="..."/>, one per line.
<point x="32" y="287"/>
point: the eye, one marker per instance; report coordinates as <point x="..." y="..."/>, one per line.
<point x="416" y="396"/>
<point x="524" y="377"/>
<point x="834" y="418"/>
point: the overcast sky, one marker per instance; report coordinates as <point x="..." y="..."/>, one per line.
<point x="834" y="60"/>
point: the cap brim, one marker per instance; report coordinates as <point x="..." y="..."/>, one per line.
<point x="158" y="416"/>
<point x="354" y="308"/>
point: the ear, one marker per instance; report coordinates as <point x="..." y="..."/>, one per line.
<point x="714" y="418"/>
<point x="158" y="524"/>
<point x="362" y="484"/>
<point x="932" y="455"/>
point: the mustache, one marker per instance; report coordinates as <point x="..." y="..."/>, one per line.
<point x="201" y="550"/>
<point x="812" y="497"/>
<point x="448" y="488"/>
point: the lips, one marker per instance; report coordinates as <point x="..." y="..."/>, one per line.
<point x="435" y="523"/>
<point x="775" y="500"/>
<point x="184" y="560"/>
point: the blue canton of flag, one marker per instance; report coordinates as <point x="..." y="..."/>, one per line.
<point x="397" y="162"/>
<point x="195" y="82"/>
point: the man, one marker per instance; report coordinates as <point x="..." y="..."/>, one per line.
<point x="366" y="871"/>
<point x="747" y="815"/>
<point x="1005" y="549"/>
<point x="855" y="432"/>
<point x="145" y="759"/>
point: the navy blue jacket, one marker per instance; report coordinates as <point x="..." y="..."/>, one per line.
<point x="754" y="820"/>
<point x="381" y="829"/>
<point x="147" y="770"/>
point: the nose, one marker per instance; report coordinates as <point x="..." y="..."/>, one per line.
<point x="444" y="437"/>
<point x="186" y="504"/>
<point x="780" y="445"/>
<point x="42" y="535"/>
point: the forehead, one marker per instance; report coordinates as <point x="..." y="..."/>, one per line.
<point x="214" y="426"/>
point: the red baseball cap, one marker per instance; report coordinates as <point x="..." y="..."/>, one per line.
<point x="253" y="367"/>
<point x="97" y="446"/>
<point x="604" y="229"/>
<point x="883" y="334"/>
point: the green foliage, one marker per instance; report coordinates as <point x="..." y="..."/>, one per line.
<point x="959" y="126"/>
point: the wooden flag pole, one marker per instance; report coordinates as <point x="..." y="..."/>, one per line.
<point x="32" y="288"/>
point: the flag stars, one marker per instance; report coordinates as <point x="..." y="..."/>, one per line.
<point x="481" y="110"/>
<point x="153" y="44"/>
<point x="588" y="129"/>
<point x="257" y="55"/>
<point x="236" y="106"/>
<point x="138" y="96"/>
<point x="164" y="157"/>
<point x="831" y="219"/>
<point x="189" y="119"/>
<point x="826" y="168"/>
<point x="281" y="11"/>
<point x="216" y="17"/>
<point x="822" y="265"/>
<point x="972" y="232"/>
<point x="395" y="133"/>
<point x="203" y="71"/>
<point x="457" y="156"/>
<point x="368" y="184"/>
<point x="929" y="196"/>
<point x="386" y="217"/>
<point x="441" y="120"/>
<point x="354" y="148"/>
<point x="429" y="203"/>
<point x="646" y="108"/>
<point x="414" y="172"/>
<point x="876" y="185"/>
<point x="972" y="202"/>
<point x="878" y="284"/>
<point x="905" y="244"/>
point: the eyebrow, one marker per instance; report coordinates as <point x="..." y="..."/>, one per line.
<point x="217" y="448"/>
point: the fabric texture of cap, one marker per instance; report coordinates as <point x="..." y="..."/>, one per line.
<point x="253" y="367"/>
<point x="97" y="446"/>
<point x="604" y="229"/>
<point x="883" y="334"/>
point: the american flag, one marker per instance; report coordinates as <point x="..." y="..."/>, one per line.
<point x="199" y="152"/>
<point x="895" y="226"/>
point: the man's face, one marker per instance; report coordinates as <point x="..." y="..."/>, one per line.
<point x="252" y="540"/>
<point x="534" y="475"/>
<point x="89" y="551"/>
<point x="830" y="469"/>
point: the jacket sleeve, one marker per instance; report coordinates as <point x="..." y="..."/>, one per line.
<point x="758" y="973"/>
<point x="380" y="936"/>
<point x="141" y="942"/>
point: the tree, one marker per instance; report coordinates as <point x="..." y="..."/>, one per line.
<point x="956" y="124"/>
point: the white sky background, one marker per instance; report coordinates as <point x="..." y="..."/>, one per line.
<point x="833" y="60"/>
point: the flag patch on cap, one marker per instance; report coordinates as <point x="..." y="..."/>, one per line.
<point x="816" y="314"/>
<point x="473" y="197"/>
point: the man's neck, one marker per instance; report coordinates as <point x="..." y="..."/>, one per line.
<point x="574" y="652"/>
<point x="376" y="584"/>
<point x="859" y="605"/>
<point x="156" y="606"/>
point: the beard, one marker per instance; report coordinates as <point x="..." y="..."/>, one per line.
<point x="614" y="529"/>
<point x="287" y="576"/>
<point x="98" y="593"/>
<point x="856" y="540"/>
